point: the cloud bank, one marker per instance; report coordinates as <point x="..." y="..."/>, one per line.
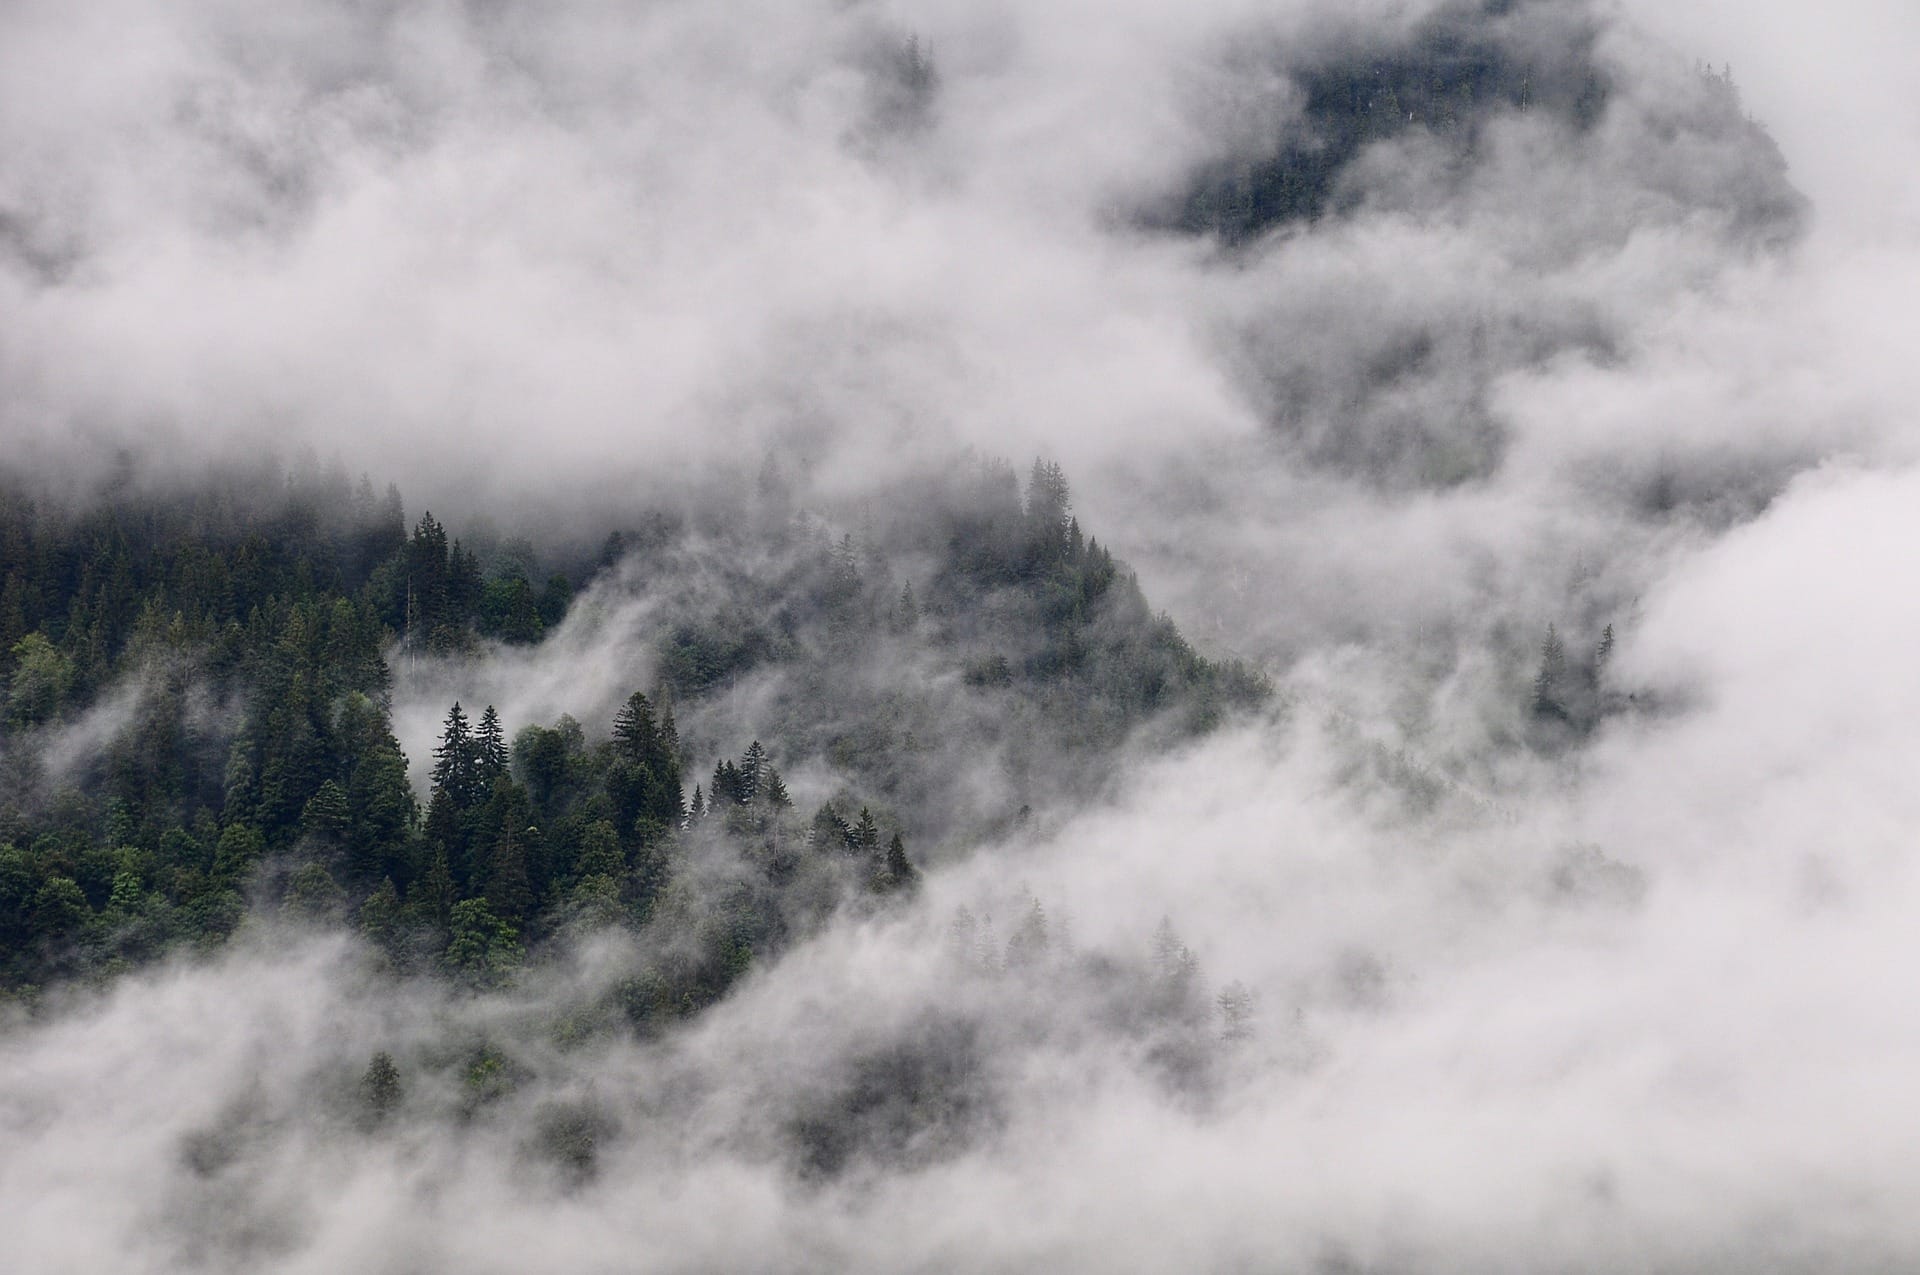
<point x="1632" y="1003"/>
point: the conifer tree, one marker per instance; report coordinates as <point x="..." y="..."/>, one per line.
<point x="380" y="917"/>
<point x="752" y="764"/>
<point x="456" y="769"/>
<point x="727" y="786"/>
<point x="897" y="873"/>
<point x="1547" y="682"/>
<point x="866" y="834"/>
<point x="508" y="893"/>
<point x="326" y="815"/>
<point x="432" y="897"/>
<point x="380" y="1087"/>
<point x="636" y="730"/>
<point x="1029" y="940"/>
<point x="1236" y="1012"/>
<point x="906" y="611"/>
<point x="660" y="798"/>
<point x="698" y="810"/>
<point x="481" y="947"/>
<point x="669" y="732"/>
<point x="828" y="830"/>
<point x="490" y="747"/>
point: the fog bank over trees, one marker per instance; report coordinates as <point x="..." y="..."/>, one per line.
<point x="1241" y="636"/>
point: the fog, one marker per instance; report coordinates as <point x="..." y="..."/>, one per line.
<point x="1633" y="1001"/>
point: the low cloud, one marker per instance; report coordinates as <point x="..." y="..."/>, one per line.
<point x="1632" y="1001"/>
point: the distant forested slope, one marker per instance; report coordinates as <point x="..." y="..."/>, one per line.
<point x="198" y="721"/>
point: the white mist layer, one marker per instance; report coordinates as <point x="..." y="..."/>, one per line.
<point x="1717" y="1076"/>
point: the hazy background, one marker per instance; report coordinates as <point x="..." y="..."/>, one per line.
<point x="541" y="263"/>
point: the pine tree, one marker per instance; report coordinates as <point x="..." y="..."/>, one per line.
<point x="490" y="747"/>
<point x="727" y="786"/>
<point x="432" y="896"/>
<point x="1547" y="682"/>
<point x="380" y="917"/>
<point x="456" y="770"/>
<point x="846" y="566"/>
<point x="327" y="815"/>
<point x="828" y="830"/>
<point x="599" y="852"/>
<point x="752" y="764"/>
<point x="773" y="790"/>
<point x="644" y="746"/>
<point x="1028" y="942"/>
<point x="1236" y="1012"/>
<point x="1604" y="651"/>
<point x="906" y="612"/>
<point x="481" y="947"/>
<point x="380" y="1087"/>
<point x="508" y="892"/>
<point x="698" y="810"/>
<point x="636" y="730"/>
<point x="866" y="834"/>
<point x="669" y="732"/>
<point x="897" y="872"/>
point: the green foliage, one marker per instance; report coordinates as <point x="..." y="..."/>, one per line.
<point x="1031" y="649"/>
<point x="42" y="676"/>
<point x="482" y="949"/>
<point x="380" y="1087"/>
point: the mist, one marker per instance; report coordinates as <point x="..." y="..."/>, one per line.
<point x="1390" y="972"/>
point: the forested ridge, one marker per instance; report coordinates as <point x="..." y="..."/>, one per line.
<point x="198" y="720"/>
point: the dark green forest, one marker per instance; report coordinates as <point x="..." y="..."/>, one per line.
<point x="199" y="694"/>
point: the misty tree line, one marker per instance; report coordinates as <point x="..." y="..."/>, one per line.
<point x="222" y="651"/>
<point x="898" y="1097"/>
<point x="197" y="722"/>
<point x="1568" y="691"/>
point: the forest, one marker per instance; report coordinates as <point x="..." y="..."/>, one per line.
<point x="198" y="698"/>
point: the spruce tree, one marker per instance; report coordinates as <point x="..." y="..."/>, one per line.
<point x="669" y="732"/>
<point x="490" y="747"/>
<point x="828" y="830"/>
<point x="380" y="1087"/>
<point x="726" y="787"/>
<point x="599" y="852"/>
<point x="456" y="770"/>
<point x="1236" y="1012"/>
<point x="508" y="893"/>
<point x="906" y="612"/>
<point x="1547" y="682"/>
<point x="432" y="897"/>
<point x="898" y="872"/>
<point x="327" y="815"/>
<point x="752" y="764"/>
<point x="636" y="731"/>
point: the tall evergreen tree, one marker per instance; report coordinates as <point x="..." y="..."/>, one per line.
<point x="897" y="871"/>
<point x="636" y="731"/>
<point x="753" y="764"/>
<point x="456" y="766"/>
<point x="669" y="732"/>
<point x="1547" y="682"/>
<point x="490" y="747"/>
<point x="828" y="830"/>
<point x="508" y="892"/>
